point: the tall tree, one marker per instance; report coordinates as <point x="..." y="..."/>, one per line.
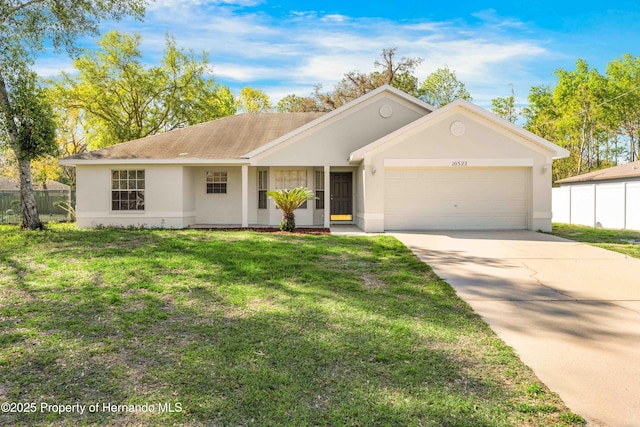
<point x="354" y="84"/>
<point x="123" y="99"/>
<point x="506" y="107"/>
<point x="254" y="101"/>
<point x="541" y="117"/>
<point x="25" y="25"/>
<point x="297" y="104"/>
<point x="443" y="87"/>
<point x="29" y="130"/>
<point x="624" y="92"/>
<point x="578" y="98"/>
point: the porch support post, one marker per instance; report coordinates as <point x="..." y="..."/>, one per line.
<point x="245" y="196"/>
<point x="327" y="196"/>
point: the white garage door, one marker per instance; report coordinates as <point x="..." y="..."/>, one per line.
<point x="456" y="199"/>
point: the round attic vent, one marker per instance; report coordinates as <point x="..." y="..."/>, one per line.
<point x="386" y="111"/>
<point x="457" y="128"/>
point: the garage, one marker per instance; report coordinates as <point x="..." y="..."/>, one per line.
<point x="466" y="198"/>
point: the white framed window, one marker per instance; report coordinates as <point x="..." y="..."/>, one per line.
<point x="263" y="185"/>
<point x="127" y="190"/>
<point x="290" y="179"/>
<point x="319" y="189"/>
<point x="216" y="182"/>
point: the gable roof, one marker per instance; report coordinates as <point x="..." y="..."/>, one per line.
<point x="230" y="139"/>
<point x="461" y="104"/>
<point x="352" y="105"/>
<point x="629" y="170"/>
<point x="226" y="138"/>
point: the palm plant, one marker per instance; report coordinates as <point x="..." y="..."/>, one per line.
<point x="288" y="201"/>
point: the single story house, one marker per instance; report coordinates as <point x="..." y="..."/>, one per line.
<point x="385" y="161"/>
<point x="608" y="198"/>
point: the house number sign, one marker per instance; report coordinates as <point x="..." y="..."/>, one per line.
<point x="459" y="163"/>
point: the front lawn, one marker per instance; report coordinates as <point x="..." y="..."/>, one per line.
<point x="200" y="328"/>
<point x="623" y="241"/>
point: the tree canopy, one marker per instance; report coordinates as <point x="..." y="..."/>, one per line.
<point x="123" y="99"/>
<point x="25" y="26"/>
<point x="443" y="87"/>
<point x="438" y="88"/>
<point x="254" y="101"/>
<point x="595" y="116"/>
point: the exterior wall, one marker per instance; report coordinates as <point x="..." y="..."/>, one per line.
<point x="333" y="141"/>
<point x="188" y="197"/>
<point x="603" y="204"/>
<point x="360" y="181"/>
<point x="304" y="217"/>
<point x="164" y="202"/>
<point x="479" y="141"/>
<point x="218" y="209"/>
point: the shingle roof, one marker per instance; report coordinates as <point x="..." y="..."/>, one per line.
<point x="226" y="138"/>
<point x="629" y="170"/>
<point x="14" y="184"/>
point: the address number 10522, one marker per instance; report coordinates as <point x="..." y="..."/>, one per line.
<point x="460" y="163"/>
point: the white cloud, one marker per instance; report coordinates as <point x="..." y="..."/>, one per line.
<point x="249" y="47"/>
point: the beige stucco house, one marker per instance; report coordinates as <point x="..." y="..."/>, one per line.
<point x="386" y="161"/>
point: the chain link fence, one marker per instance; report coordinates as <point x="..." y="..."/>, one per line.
<point x="50" y="205"/>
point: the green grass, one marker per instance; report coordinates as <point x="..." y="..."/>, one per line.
<point x="623" y="241"/>
<point x="241" y="329"/>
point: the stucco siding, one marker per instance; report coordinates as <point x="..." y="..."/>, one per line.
<point x="163" y="197"/>
<point x="479" y="146"/>
<point x="333" y="141"/>
<point x="218" y="209"/>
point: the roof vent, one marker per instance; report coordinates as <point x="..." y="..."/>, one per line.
<point x="386" y="111"/>
<point x="457" y="128"/>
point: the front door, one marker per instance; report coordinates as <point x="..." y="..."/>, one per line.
<point x="341" y="196"/>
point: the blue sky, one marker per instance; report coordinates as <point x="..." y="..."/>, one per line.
<point x="288" y="47"/>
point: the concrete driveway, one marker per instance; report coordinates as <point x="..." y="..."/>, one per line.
<point x="571" y="311"/>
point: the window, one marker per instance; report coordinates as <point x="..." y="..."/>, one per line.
<point x="127" y="190"/>
<point x="290" y="179"/>
<point x="263" y="185"/>
<point x="216" y="182"/>
<point x="319" y="189"/>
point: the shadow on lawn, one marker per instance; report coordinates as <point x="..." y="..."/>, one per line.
<point x="241" y="329"/>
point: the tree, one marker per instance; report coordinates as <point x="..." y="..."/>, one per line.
<point x="579" y="114"/>
<point x="506" y="107"/>
<point x="297" y="104"/>
<point x="624" y="91"/>
<point x="354" y="84"/>
<point x="254" y="101"/>
<point x="29" y="130"/>
<point x="288" y="201"/>
<point x="71" y="138"/>
<point x="122" y="99"/>
<point x="25" y="25"/>
<point x="578" y="98"/>
<point x="442" y="87"/>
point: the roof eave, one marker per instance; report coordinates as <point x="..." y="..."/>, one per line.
<point x="350" y="105"/>
<point x="557" y="151"/>
<point x="180" y="162"/>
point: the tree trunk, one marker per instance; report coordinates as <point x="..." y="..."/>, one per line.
<point x="30" y="218"/>
<point x="288" y="222"/>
